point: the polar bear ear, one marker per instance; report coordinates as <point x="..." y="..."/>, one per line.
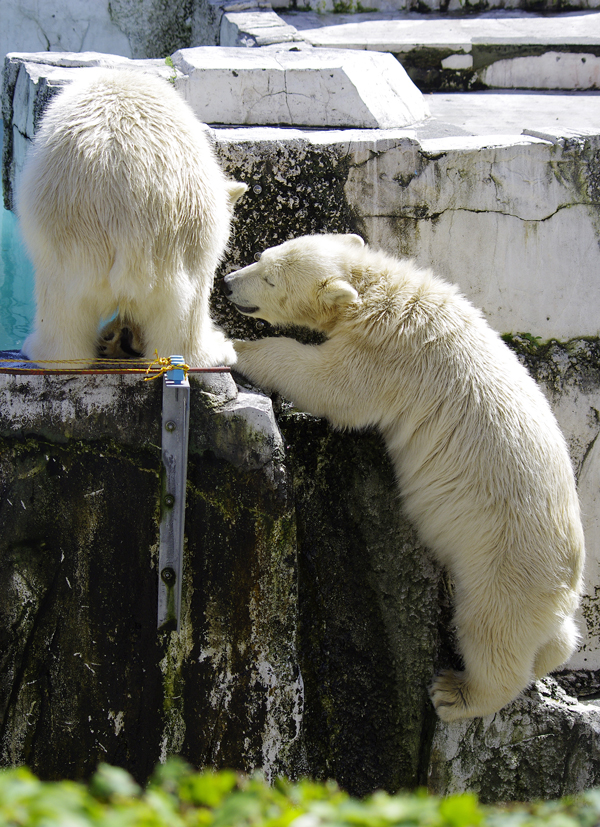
<point x="353" y="240"/>
<point x="338" y="293"/>
<point x="235" y="190"/>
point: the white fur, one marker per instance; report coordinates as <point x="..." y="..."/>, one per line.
<point x="123" y="204"/>
<point x="482" y="467"/>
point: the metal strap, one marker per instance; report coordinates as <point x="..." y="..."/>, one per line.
<point x="175" y="438"/>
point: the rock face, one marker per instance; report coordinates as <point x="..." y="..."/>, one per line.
<point x="310" y="613"/>
<point x="373" y="607"/>
<point x="544" y="745"/>
<point x="84" y="674"/>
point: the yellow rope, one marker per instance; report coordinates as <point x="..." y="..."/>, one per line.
<point x="164" y="364"/>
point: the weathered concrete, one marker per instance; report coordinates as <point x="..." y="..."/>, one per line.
<point x="322" y="88"/>
<point x="84" y="675"/>
<point x="499" y="49"/>
<point x="256" y="28"/>
<point x="152" y="28"/>
<point x="552" y="46"/>
<point x="132" y="28"/>
<point x="544" y="745"/>
<point x="319" y="667"/>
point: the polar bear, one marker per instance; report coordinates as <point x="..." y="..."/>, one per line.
<point x="123" y="205"/>
<point x="482" y="466"/>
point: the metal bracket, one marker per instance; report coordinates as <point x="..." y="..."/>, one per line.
<point x="175" y="438"/>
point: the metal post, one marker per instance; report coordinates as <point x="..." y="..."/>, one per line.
<point x="175" y="437"/>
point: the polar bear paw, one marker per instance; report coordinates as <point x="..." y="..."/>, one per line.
<point x="120" y="339"/>
<point x="449" y="695"/>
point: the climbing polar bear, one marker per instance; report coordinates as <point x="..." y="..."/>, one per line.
<point x="123" y="205"/>
<point x="482" y="467"/>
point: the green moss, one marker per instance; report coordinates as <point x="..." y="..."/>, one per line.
<point x="170" y="64"/>
<point x="308" y="198"/>
<point x="555" y="363"/>
<point x="523" y="342"/>
<point x="350" y="7"/>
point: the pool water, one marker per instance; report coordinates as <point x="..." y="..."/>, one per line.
<point x="16" y="283"/>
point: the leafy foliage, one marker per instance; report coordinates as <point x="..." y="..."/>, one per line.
<point x="179" y="797"/>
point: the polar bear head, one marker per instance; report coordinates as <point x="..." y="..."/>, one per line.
<point x="305" y="281"/>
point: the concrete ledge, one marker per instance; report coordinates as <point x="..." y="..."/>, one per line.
<point x="320" y="88"/>
<point x="500" y="49"/>
<point x="256" y="28"/>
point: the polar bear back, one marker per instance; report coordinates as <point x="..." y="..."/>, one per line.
<point x="122" y="175"/>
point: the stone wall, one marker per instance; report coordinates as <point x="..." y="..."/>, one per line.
<point x="84" y="674"/>
<point x="155" y="29"/>
<point x="310" y="613"/>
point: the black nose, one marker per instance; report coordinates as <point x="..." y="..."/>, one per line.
<point x="226" y="289"/>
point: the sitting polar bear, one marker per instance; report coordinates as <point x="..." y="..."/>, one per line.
<point x="123" y="205"/>
<point x="482" y="466"/>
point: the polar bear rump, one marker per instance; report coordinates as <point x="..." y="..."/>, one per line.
<point x="123" y="205"/>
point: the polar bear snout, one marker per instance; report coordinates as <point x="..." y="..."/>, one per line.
<point x="234" y="290"/>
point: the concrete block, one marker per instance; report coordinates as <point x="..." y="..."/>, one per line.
<point x="498" y="50"/>
<point x="317" y="88"/>
<point x="255" y="28"/>
<point x="552" y="70"/>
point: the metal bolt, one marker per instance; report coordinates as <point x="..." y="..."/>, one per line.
<point x="170" y="426"/>
<point x="169" y="500"/>
<point x="168" y="576"/>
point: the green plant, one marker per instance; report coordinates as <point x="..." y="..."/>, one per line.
<point x="179" y="797"/>
<point x="526" y="342"/>
<point x="171" y="65"/>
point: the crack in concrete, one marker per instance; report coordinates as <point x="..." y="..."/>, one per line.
<point x="375" y="154"/>
<point x="434" y="216"/>
<point x="588" y="450"/>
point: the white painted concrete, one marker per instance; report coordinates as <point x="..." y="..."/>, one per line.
<point x="478" y="43"/>
<point x="255" y="28"/>
<point x="317" y="88"/>
<point x="69" y="26"/>
<point x="399" y="32"/>
<point x="552" y="70"/>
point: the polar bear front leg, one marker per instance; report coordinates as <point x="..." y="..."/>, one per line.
<point x="279" y="364"/>
<point x="304" y="374"/>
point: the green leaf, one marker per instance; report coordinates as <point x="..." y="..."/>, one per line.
<point x="113" y="781"/>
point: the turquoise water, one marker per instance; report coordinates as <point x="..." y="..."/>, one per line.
<point x="16" y="284"/>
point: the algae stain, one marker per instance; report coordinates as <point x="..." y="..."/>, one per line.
<point x="590" y="609"/>
<point x="177" y="648"/>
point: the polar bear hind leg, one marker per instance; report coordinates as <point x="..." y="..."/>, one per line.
<point x="498" y="651"/>
<point x="491" y="680"/>
<point x="63" y="329"/>
<point x="557" y="650"/>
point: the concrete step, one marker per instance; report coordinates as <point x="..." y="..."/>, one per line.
<point x="495" y="50"/>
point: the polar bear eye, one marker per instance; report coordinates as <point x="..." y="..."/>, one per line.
<point x="267" y="281"/>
